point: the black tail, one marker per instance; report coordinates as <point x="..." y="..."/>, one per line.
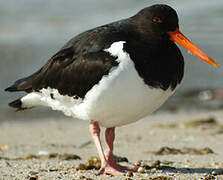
<point x="20" y="85"/>
<point x="24" y="84"/>
<point x="17" y="104"/>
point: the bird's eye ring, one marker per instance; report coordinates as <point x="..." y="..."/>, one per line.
<point x="157" y="20"/>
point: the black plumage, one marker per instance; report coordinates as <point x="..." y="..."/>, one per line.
<point x="82" y="62"/>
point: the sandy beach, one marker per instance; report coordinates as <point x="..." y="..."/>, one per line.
<point x="182" y="141"/>
<point x="169" y="145"/>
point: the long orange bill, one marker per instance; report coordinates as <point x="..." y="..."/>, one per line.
<point x="179" y="38"/>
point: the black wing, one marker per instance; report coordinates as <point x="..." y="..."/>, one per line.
<point x="79" y="65"/>
<point x="69" y="74"/>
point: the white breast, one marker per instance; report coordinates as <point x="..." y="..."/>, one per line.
<point x="122" y="97"/>
<point x="119" y="98"/>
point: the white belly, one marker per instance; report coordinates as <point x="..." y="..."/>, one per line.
<point x="122" y="97"/>
<point x="119" y="98"/>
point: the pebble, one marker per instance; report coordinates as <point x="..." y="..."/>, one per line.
<point x="141" y="170"/>
<point x="155" y="164"/>
<point x="33" y="177"/>
<point x="153" y="170"/>
<point x="128" y="178"/>
<point x="32" y="173"/>
<point x="129" y="174"/>
<point x="138" y="163"/>
<point x="8" y="164"/>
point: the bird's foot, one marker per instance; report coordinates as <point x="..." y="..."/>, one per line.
<point x="110" y="170"/>
<point x="114" y="169"/>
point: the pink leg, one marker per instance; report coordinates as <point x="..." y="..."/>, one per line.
<point x="109" y="139"/>
<point x="95" y="133"/>
<point x="105" y="166"/>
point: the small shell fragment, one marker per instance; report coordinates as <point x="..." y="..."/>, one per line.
<point x="141" y="170"/>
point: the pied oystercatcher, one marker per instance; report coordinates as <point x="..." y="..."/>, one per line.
<point x="112" y="75"/>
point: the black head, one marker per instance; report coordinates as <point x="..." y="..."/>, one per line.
<point x="158" y="23"/>
<point x="157" y="19"/>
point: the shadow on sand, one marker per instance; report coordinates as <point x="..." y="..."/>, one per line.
<point x="169" y="169"/>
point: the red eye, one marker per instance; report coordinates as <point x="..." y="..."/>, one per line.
<point x="157" y="20"/>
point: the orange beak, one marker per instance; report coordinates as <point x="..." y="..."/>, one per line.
<point x="179" y="38"/>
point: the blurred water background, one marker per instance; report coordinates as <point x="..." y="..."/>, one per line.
<point x="32" y="31"/>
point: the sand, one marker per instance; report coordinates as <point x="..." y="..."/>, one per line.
<point x="169" y="145"/>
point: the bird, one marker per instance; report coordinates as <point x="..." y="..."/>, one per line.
<point x="113" y="75"/>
